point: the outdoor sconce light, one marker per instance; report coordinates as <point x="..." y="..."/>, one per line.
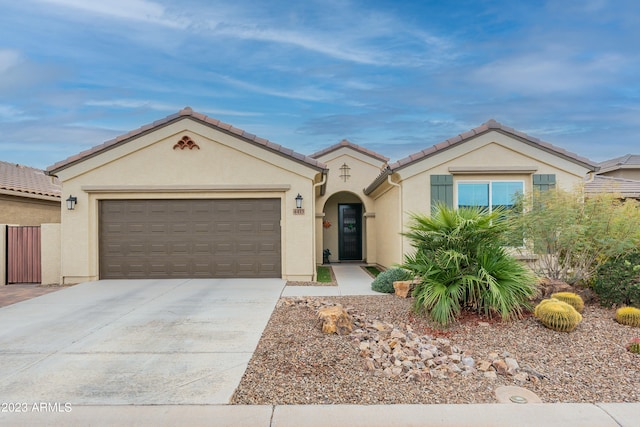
<point x="298" y="201"/>
<point x="71" y="202"/>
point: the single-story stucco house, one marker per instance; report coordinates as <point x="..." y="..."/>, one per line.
<point x="189" y="196"/>
<point x="28" y="196"/>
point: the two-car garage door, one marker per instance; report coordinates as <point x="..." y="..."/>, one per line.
<point x="189" y="238"/>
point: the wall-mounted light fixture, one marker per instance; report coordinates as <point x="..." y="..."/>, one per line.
<point x="71" y="203"/>
<point x="298" y="201"/>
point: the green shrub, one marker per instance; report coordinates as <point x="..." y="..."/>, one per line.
<point x="618" y="281"/>
<point x="384" y="281"/>
<point x="570" y="298"/>
<point x="573" y="235"/>
<point x="557" y="315"/>
<point x="460" y="264"/>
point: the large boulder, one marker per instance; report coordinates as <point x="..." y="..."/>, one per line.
<point x="335" y="320"/>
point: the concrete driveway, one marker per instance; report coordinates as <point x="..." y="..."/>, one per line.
<point x="141" y="342"/>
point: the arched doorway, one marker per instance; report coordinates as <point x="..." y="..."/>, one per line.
<point x="344" y="228"/>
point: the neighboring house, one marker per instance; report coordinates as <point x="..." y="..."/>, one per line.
<point x="189" y="196"/>
<point x="626" y="167"/>
<point x="28" y="196"/>
<point x="623" y="188"/>
<point x="620" y="176"/>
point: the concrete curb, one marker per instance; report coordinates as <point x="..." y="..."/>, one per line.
<point x="562" y="414"/>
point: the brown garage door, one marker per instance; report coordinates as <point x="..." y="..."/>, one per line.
<point x="189" y="238"/>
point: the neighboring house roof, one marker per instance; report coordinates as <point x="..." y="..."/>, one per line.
<point x="349" y="144"/>
<point x="626" y="188"/>
<point x="628" y="161"/>
<point x="30" y="182"/>
<point x="185" y="113"/>
<point x="489" y="126"/>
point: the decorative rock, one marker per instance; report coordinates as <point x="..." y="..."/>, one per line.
<point x="468" y="361"/>
<point x="512" y="365"/>
<point x="397" y="352"/>
<point x="521" y="377"/>
<point x="500" y="367"/>
<point x="484" y="365"/>
<point x="455" y="358"/>
<point x="491" y="375"/>
<point x="335" y="320"/>
<point x="403" y="288"/>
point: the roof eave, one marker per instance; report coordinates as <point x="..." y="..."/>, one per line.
<point x="312" y="163"/>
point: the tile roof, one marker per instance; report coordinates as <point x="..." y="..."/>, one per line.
<point x="627" y="188"/>
<point x="28" y="181"/>
<point x="349" y="144"/>
<point x="492" y="125"/>
<point x="628" y="161"/>
<point x="187" y="112"/>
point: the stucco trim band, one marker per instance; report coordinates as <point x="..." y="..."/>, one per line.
<point x="184" y="188"/>
<point x="492" y="169"/>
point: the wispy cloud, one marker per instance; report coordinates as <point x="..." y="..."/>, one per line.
<point x="134" y="10"/>
<point x="547" y="72"/>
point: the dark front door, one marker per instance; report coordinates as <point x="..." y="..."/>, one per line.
<point x="350" y="236"/>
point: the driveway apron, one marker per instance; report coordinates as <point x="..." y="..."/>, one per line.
<point x="112" y="342"/>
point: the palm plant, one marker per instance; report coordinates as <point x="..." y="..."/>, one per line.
<point x="461" y="264"/>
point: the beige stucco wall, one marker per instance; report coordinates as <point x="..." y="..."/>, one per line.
<point x="28" y="211"/>
<point x="149" y="168"/>
<point x="495" y="152"/>
<point x="388" y="225"/>
<point x="363" y="169"/>
<point x="50" y="253"/>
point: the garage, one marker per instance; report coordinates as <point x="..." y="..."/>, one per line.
<point x="189" y="238"/>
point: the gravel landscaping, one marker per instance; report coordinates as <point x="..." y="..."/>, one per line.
<point x="295" y="363"/>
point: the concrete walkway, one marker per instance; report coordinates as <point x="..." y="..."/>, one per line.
<point x="351" y="278"/>
<point x="489" y="415"/>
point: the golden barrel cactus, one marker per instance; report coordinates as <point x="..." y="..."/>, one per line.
<point x="628" y="316"/>
<point x="570" y="298"/>
<point x="557" y="315"/>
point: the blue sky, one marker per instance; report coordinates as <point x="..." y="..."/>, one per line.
<point x="394" y="76"/>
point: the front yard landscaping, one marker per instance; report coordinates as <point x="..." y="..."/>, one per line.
<point x="296" y="364"/>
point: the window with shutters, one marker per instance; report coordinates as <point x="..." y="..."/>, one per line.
<point x="488" y="194"/>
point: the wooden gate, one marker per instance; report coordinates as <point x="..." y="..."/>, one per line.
<point x="23" y="254"/>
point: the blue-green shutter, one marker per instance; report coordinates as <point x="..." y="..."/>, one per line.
<point x="442" y="190"/>
<point x="543" y="182"/>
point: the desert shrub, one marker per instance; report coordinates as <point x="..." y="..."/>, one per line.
<point x="384" y="281"/>
<point x="557" y="315"/>
<point x="617" y="281"/>
<point x="570" y="298"/>
<point x="634" y="345"/>
<point x="460" y="264"/>
<point x="628" y="316"/>
<point x="573" y="235"/>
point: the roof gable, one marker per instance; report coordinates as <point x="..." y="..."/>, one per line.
<point x="348" y="144"/>
<point x="187" y="113"/>
<point x="28" y="182"/>
<point x="489" y="126"/>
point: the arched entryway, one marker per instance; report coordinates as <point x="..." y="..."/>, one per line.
<point x="344" y="228"/>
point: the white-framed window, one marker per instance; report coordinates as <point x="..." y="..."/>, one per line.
<point x="489" y="194"/>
